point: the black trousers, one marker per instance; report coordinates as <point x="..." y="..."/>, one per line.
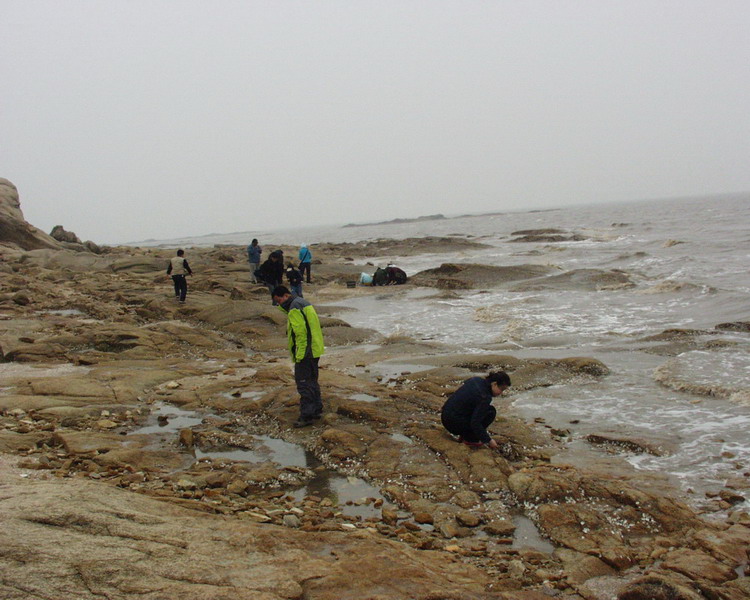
<point x="462" y="427"/>
<point x="305" y="267"/>
<point x="180" y="286"/>
<point x="306" y="378"/>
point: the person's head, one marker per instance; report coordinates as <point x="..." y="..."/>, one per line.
<point x="254" y="242"/>
<point x="499" y="382"/>
<point x="276" y="256"/>
<point x="180" y="253"/>
<point x="280" y="294"/>
<point x="303" y="246"/>
<point x="289" y="265"/>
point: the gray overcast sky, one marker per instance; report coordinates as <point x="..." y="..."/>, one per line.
<point x="123" y="121"/>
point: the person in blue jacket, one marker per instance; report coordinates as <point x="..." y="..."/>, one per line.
<point x="468" y="412"/>
<point x="305" y="260"/>
<point x="253" y="256"/>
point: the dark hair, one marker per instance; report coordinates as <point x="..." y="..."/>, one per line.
<point x="255" y="241"/>
<point x="180" y="252"/>
<point x="279" y="291"/>
<point x="499" y="377"/>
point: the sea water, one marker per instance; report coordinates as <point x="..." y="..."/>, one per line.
<point x="688" y="262"/>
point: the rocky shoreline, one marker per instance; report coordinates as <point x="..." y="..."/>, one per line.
<point x="146" y="451"/>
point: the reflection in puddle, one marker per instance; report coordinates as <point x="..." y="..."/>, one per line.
<point x="364" y="398"/>
<point x="269" y="449"/>
<point x="244" y="395"/>
<point x="352" y="495"/>
<point x="527" y="535"/>
<point x="167" y="419"/>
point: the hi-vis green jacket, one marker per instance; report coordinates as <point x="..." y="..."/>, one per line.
<point x="303" y="329"/>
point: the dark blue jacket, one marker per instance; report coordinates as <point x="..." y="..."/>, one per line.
<point x="253" y="253"/>
<point x="470" y="404"/>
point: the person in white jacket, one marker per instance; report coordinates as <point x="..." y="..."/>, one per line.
<point x="178" y="268"/>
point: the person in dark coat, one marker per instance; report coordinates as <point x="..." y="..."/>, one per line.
<point x="271" y="271"/>
<point x="468" y="412"/>
<point x="394" y="275"/>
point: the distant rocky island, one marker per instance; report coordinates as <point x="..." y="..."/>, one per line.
<point x="437" y="217"/>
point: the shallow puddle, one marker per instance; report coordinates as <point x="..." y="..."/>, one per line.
<point x="352" y="496"/>
<point x="364" y="398"/>
<point x="527" y="535"/>
<point x="268" y="449"/>
<point x="166" y="419"/>
<point x="244" y="395"/>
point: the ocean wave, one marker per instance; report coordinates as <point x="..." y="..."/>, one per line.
<point x="719" y="374"/>
<point x="579" y="280"/>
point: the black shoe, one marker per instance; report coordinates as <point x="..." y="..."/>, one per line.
<point x="299" y="423"/>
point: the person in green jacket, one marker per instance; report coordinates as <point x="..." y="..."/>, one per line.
<point x="306" y="347"/>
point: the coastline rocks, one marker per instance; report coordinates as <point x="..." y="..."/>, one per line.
<point x="603" y="517"/>
<point x="628" y="443"/>
<point x="105" y="450"/>
<point x="546" y="236"/>
<point x="74" y="521"/>
<point x="405" y="247"/>
<point x="468" y="276"/>
<point x="13" y="227"/>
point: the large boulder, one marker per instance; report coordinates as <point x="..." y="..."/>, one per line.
<point x="13" y="227"/>
<point x="61" y="235"/>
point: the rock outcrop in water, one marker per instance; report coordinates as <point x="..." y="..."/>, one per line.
<point x="454" y="276"/>
<point x="107" y="494"/>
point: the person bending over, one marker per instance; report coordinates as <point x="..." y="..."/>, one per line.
<point x="468" y="412"/>
<point x="305" y="340"/>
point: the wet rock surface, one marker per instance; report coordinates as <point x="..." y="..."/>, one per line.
<point x="148" y="451"/>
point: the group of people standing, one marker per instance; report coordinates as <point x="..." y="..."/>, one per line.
<point x="271" y="272"/>
<point x="467" y="413"/>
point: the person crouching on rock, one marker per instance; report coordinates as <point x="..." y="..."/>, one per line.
<point x="468" y="412"/>
<point x="178" y="268"/>
<point x="294" y="277"/>
<point x="306" y="347"/>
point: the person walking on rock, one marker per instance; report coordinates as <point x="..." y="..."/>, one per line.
<point x="306" y="346"/>
<point x="178" y="268"/>
<point x="253" y="256"/>
<point x="468" y="412"/>
<point x="305" y="261"/>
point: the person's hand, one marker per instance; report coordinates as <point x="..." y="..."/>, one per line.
<point x="492" y="444"/>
